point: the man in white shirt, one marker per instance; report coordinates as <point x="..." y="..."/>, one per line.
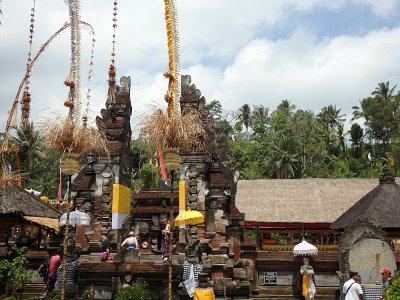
<point x="351" y="289"/>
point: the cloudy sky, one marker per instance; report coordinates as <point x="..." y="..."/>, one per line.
<point x="312" y="52"/>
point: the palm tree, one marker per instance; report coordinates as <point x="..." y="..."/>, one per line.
<point x="330" y="116"/>
<point x="244" y="116"/>
<point x="356" y="138"/>
<point x="29" y="144"/>
<point x="340" y="141"/>
<point x="286" y="106"/>
<point x="283" y="159"/>
<point x="384" y="91"/>
<point x="259" y="119"/>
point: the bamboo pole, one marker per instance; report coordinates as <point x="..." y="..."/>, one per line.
<point x="64" y="262"/>
<point x="171" y="221"/>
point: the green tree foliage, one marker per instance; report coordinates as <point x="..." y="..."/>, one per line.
<point x="150" y="176"/>
<point x="138" y="291"/>
<point x="244" y="117"/>
<point x="284" y="159"/>
<point x="29" y="147"/>
<point x="39" y="166"/>
<point x="259" y="120"/>
<point x="331" y="121"/>
<point x="393" y="292"/>
<point x="45" y="175"/>
<point x="142" y="153"/>
<point x="293" y="143"/>
<point x="381" y="114"/>
<point x="220" y="118"/>
<point x="356" y="138"/>
<point x="15" y="273"/>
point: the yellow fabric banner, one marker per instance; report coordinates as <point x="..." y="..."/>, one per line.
<point x="204" y="294"/>
<point x="182" y="195"/>
<point x="121" y="199"/>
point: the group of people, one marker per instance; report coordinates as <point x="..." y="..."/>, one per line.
<point x="53" y="276"/>
<point x="129" y="243"/>
<point x="352" y="288"/>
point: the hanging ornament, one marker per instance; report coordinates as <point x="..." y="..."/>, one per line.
<point x="173" y="74"/>
<point x="26" y="98"/>
<point x="90" y="75"/>
<point x="111" y="95"/>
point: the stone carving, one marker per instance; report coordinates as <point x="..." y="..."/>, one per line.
<point x="353" y="236"/>
<point x="93" y="184"/>
<point x="125" y="84"/>
<point x="386" y="176"/>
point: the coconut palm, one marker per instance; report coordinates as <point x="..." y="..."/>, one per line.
<point x="29" y="144"/>
<point x="244" y="116"/>
<point x="356" y="138"/>
<point x="259" y="119"/>
<point x="330" y="116"/>
<point x="284" y="159"/>
<point x="286" y="106"/>
<point x="384" y="91"/>
<point x="340" y="139"/>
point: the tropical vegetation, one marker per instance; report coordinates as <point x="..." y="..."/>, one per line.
<point x="282" y="142"/>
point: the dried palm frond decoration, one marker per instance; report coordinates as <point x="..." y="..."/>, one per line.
<point x="6" y="178"/>
<point x="184" y="131"/>
<point x="64" y="136"/>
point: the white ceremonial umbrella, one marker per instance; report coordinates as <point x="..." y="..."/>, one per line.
<point x="305" y="248"/>
<point x="76" y="217"/>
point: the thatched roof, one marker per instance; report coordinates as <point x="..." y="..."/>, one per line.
<point x="381" y="206"/>
<point x="299" y="200"/>
<point x="16" y="200"/>
<point x="45" y="222"/>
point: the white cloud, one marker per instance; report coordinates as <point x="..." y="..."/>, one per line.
<point x="221" y="48"/>
<point x="312" y="74"/>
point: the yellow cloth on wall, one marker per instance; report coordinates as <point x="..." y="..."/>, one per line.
<point x="204" y="294"/>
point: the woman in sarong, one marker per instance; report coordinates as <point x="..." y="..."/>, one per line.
<point x="165" y="246"/>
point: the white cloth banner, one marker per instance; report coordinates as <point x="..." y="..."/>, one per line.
<point x="190" y="283"/>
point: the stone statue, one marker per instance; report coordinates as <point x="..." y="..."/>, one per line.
<point x="192" y="265"/>
<point x="308" y="286"/>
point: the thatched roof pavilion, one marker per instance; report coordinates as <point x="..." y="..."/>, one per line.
<point x="299" y="200"/>
<point x="381" y="206"/>
<point x="16" y="201"/>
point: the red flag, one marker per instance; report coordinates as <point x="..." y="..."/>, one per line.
<point x="162" y="167"/>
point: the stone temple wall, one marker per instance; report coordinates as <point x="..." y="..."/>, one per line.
<point x="92" y="186"/>
<point x="209" y="190"/>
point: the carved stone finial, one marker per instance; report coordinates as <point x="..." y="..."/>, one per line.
<point x="386" y="176"/>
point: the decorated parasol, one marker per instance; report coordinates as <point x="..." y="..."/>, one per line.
<point x="75" y="218"/>
<point x="305" y="248"/>
<point x="189" y="217"/>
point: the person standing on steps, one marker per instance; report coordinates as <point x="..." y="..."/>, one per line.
<point x="54" y="263"/>
<point x="352" y="289"/>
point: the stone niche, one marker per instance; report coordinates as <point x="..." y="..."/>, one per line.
<point x="369" y="256"/>
<point x="365" y="249"/>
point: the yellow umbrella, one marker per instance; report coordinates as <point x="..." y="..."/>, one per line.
<point x="189" y="217"/>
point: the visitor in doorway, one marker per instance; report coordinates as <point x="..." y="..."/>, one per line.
<point x="352" y="289"/>
<point x="165" y="246"/>
<point x="106" y="249"/>
<point x="131" y="242"/>
<point x="54" y="263"/>
<point x="386" y="281"/>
